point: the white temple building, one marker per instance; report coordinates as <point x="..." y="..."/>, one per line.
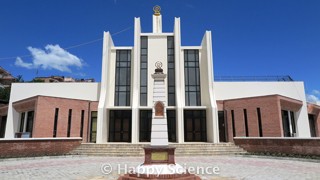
<point x="198" y="108"/>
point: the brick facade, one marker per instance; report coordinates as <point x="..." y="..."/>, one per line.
<point x="270" y="110"/>
<point x="315" y="110"/>
<point x="37" y="147"/>
<point x="299" y="146"/>
<point x="44" y="115"/>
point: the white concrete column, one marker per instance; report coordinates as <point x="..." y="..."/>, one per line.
<point x="135" y="82"/>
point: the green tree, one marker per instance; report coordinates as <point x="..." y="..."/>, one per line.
<point x="19" y="78"/>
<point x="5" y="94"/>
<point x="36" y="80"/>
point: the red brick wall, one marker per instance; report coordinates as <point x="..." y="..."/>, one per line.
<point x="315" y="110"/>
<point x="299" y="146"/>
<point x="37" y="147"/>
<point x="44" y="108"/>
<point x="270" y="116"/>
<point x="270" y="109"/>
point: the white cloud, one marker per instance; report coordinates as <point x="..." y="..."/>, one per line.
<point x="19" y="62"/>
<point x="317" y="92"/>
<point x="314" y="97"/>
<point x="53" y="57"/>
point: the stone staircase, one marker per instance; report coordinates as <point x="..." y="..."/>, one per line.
<point x="194" y="149"/>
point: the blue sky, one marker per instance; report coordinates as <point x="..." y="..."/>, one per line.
<point x="250" y="37"/>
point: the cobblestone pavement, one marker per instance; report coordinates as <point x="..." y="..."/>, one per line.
<point x="89" y="167"/>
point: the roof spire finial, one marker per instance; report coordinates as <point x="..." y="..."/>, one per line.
<point x="157" y="10"/>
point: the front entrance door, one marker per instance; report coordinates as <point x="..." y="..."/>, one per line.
<point x="195" y="126"/>
<point x="120" y="126"/>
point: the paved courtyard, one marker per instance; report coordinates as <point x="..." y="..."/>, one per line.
<point x="214" y="167"/>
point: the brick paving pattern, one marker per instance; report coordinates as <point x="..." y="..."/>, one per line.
<point x="89" y="167"/>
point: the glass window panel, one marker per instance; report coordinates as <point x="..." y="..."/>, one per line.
<point x="198" y="99"/>
<point x="198" y="76"/>
<point x="170" y="65"/>
<point x="144" y="51"/>
<point x="193" y="98"/>
<point x="191" y="56"/>
<point x="171" y="89"/>
<point x="123" y="64"/>
<point x="170" y="42"/>
<point x="170" y="58"/>
<point x="143" y="89"/>
<point x="192" y="76"/>
<point x="191" y="64"/>
<point x="144" y="42"/>
<point x="143" y="76"/>
<point x="171" y="79"/>
<point x="143" y="99"/>
<point x="187" y="99"/>
<point x="192" y="88"/>
<point x="170" y="51"/>
<point x="122" y="88"/>
<point x="144" y="65"/>
<point x="123" y="76"/>
<point x="128" y="99"/>
<point x="144" y="58"/>
<point x="129" y="57"/>
<point x="122" y="99"/>
<point x="171" y="99"/>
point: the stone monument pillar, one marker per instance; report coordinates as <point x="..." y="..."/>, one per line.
<point x="159" y="160"/>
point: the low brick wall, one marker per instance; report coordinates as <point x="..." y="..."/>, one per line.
<point x="31" y="147"/>
<point x="296" y="146"/>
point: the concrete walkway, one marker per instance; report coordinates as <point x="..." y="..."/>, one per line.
<point x="213" y="167"/>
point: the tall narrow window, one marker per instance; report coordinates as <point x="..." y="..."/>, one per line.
<point x="56" y="114"/>
<point x="23" y="115"/>
<point x="144" y="71"/>
<point x="3" y="123"/>
<point x="222" y="126"/>
<point x="293" y="123"/>
<point x="93" y="131"/>
<point x="30" y="122"/>
<point x="233" y="125"/>
<point x="171" y="119"/>
<point x="192" y="78"/>
<point x="82" y="122"/>
<point x="123" y="78"/>
<point x="246" y="122"/>
<point x="312" y="125"/>
<point x="259" y="122"/>
<point x="69" y="122"/>
<point x="145" y="125"/>
<point x="285" y="123"/>
<point x="171" y="71"/>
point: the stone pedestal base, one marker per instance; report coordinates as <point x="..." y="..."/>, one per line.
<point x="185" y="177"/>
<point x="159" y="163"/>
<point x="158" y="155"/>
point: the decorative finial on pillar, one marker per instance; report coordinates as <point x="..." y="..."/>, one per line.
<point x="159" y="69"/>
<point x="157" y="10"/>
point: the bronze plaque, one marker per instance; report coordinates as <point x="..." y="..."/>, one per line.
<point x="159" y="108"/>
<point x="159" y="156"/>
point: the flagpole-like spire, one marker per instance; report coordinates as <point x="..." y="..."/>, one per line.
<point x="157" y="20"/>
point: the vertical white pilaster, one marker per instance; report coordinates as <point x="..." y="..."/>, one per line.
<point x="135" y="74"/>
<point x="102" y="121"/>
<point x="157" y="24"/>
<point x="179" y="83"/>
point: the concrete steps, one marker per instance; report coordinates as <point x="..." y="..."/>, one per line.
<point x="198" y="149"/>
